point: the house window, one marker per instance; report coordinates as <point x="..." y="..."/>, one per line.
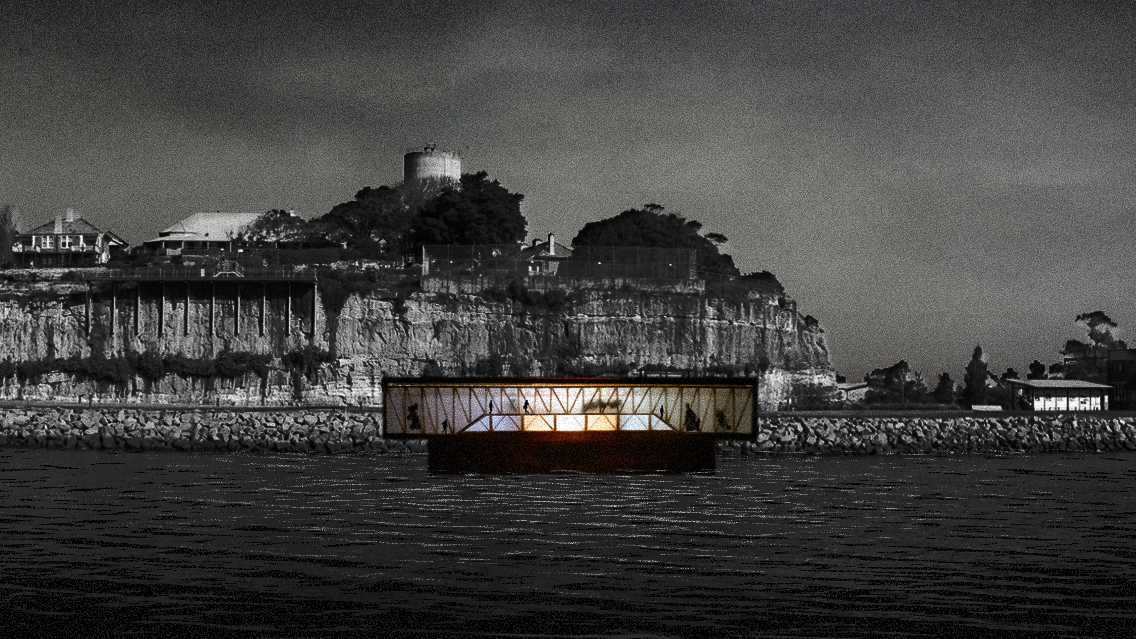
<point x="45" y="241"/>
<point x="64" y="241"/>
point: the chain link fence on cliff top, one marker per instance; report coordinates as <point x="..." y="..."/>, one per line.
<point x="507" y="261"/>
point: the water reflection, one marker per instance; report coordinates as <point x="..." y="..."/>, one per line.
<point x="795" y="546"/>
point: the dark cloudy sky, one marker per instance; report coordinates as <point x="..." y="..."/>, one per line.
<point x="921" y="176"/>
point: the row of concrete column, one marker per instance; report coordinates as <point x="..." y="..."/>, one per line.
<point x="136" y="302"/>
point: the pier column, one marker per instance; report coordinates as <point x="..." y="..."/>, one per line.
<point x="137" y="308"/>
<point x="263" y="303"/>
<point x="288" y="312"/>
<point x="162" y="309"/>
<point x="237" y="311"/>
<point x="87" y="310"/>
<point x="185" y="312"/>
<point x="212" y="309"/>
<point x="312" y="330"/>
<point x="113" y="306"/>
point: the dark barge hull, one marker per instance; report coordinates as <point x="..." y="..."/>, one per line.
<point x="590" y="451"/>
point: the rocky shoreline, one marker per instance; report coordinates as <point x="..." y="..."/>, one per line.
<point x="945" y="435"/>
<point x="339" y="431"/>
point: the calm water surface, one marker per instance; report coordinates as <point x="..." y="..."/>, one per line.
<point x="126" y="544"/>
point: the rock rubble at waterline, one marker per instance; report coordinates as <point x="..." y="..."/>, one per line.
<point x="335" y="431"/>
<point x="319" y="431"/>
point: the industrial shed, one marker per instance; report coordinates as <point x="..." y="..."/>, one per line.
<point x="1060" y="394"/>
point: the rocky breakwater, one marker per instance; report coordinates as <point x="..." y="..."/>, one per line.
<point x="944" y="435"/>
<point x="307" y="431"/>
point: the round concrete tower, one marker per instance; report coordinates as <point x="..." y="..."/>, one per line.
<point x="431" y="164"/>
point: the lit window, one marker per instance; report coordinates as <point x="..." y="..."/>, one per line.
<point x="569" y="422"/>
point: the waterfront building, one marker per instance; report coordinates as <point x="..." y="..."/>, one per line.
<point x="202" y="233"/>
<point x="68" y="240"/>
<point x="1059" y="394"/>
<point x="514" y="424"/>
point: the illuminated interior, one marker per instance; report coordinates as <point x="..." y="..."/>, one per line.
<point x="425" y="408"/>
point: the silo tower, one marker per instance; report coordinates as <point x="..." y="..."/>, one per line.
<point x="431" y="164"/>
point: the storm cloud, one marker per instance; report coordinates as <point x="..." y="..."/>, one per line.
<point x="922" y="176"/>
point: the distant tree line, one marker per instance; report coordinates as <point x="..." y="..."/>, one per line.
<point x="391" y="221"/>
<point x="1086" y="360"/>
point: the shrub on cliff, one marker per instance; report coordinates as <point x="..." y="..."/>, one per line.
<point x="150" y="366"/>
<point x="335" y="286"/>
<point x="555" y="300"/>
<point x="306" y="361"/>
<point x="233" y="364"/>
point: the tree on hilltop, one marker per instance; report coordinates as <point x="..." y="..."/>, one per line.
<point x="1036" y="370"/>
<point x="763" y="281"/>
<point x="944" y="392"/>
<point x="480" y="211"/>
<point x="1099" y="327"/>
<point x="275" y="226"/>
<point x="974" y="380"/>
<point x="1087" y="361"/>
<point x="8" y="232"/>
<point x="377" y="219"/>
<point x="895" y="384"/>
<point x="652" y="226"/>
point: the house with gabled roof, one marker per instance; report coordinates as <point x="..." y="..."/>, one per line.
<point x="545" y="256"/>
<point x="68" y="240"/>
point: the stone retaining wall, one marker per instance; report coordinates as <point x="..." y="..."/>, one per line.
<point x="945" y="435"/>
<point x="339" y="431"/>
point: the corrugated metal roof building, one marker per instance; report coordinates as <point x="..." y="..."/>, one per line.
<point x="202" y="232"/>
<point x="1060" y="394"/>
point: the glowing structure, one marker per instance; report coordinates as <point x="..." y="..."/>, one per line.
<point x="535" y="425"/>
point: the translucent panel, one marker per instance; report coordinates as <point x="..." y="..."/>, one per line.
<point x="602" y="422"/>
<point x="634" y="422"/>
<point x="516" y="405"/>
<point x="481" y="425"/>
<point x="538" y="422"/>
<point x="506" y="423"/>
<point x="570" y="422"/>
<point x="540" y="401"/>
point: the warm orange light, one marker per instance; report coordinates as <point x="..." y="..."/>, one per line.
<point x="569" y="422"/>
<point x="538" y="422"/>
<point x="602" y="422"/>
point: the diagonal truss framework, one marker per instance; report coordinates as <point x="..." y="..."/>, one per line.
<point x="420" y="407"/>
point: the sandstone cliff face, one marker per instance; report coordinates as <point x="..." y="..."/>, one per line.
<point x="398" y="334"/>
<point x="610" y="332"/>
